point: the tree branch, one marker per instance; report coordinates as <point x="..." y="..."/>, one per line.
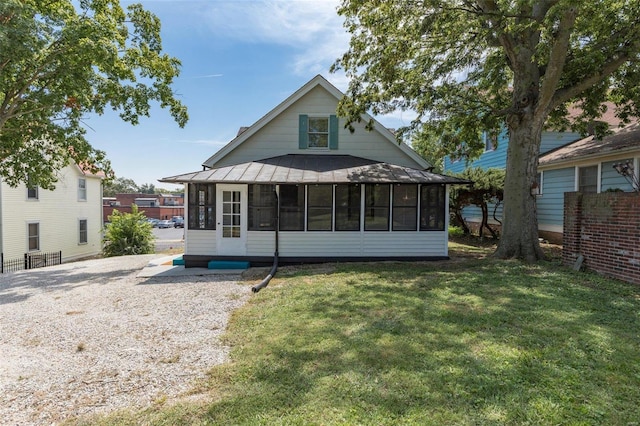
<point x="557" y="60"/>
<point x="563" y="95"/>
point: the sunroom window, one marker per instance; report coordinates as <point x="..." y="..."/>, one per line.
<point x="348" y="207"/>
<point x="405" y="207"/>
<point x="319" y="207"/>
<point x="376" y="213"/>
<point x="292" y="207"/>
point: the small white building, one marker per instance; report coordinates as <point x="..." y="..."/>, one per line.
<point x="67" y="219"/>
<point x="299" y="183"/>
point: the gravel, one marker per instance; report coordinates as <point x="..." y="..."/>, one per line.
<point x="91" y="337"/>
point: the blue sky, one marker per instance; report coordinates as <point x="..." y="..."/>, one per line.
<point x="240" y="59"/>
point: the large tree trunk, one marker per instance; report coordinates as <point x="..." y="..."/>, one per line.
<point x="520" y="224"/>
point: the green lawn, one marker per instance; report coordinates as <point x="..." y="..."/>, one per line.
<point x="467" y="342"/>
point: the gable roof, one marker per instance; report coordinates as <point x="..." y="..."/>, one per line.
<point x="622" y="140"/>
<point x="310" y="169"/>
<point x="318" y="80"/>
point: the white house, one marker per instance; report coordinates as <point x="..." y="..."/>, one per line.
<point x="67" y="219"/>
<point x="299" y="183"/>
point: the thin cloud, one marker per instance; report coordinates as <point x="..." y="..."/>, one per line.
<point x="312" y="28"/>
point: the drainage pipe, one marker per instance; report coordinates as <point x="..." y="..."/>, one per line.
<point x="256" y="288"/>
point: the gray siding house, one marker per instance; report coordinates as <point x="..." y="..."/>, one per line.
<point x="299" y="183"/>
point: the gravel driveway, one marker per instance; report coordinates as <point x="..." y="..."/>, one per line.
<point x="91" y="337"/>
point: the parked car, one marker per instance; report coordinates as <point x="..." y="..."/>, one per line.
<point x="178" y="222"/>
<point x="153" y="222"/>
<point x="165" y="224"/>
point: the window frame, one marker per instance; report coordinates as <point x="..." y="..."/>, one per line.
<point x="432" y="207"/>
<point x="290" y="209"/>
<point x="83" y="232"/>
<point x="201" y="209"/>
<point x="35" y="237"/>
<point x="320" y="208"/>
<point x="33" y="193"/>
<point x="82" y="189"/>
<point x="350" y="210"/>
<point x="579" y="178"/>
<point x="318" y="133"/>
<point x="397" y="207"/>
<point x="262" y="206"/>
<point x="375" y="205"/>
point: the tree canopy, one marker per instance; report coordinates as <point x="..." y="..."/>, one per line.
<point x="63" y="59"/>
<point x="466" y="67"/>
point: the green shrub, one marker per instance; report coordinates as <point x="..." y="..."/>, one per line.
<point x="455" y="231"/>
<point x="128" y="233"/>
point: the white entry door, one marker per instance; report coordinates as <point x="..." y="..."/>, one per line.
<point x="231" y="217"/>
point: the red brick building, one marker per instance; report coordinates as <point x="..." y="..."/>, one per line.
<point x="157" y="206"/>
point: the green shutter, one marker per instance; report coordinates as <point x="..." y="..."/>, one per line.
<point x="303" y="136"/>
<point x="333" y="132"/>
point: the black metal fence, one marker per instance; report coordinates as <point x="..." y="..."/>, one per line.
<point x="30" y="261"/>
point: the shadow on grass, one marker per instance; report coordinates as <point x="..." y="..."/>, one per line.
<point x="478" y="342"/>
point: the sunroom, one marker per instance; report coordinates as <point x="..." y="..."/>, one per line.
<point x="315" y="208"/>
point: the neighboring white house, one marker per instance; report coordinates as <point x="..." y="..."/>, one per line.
<point x="336" y="194"/>
<point x="67" y="219"/>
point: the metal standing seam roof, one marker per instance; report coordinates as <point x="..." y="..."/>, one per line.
<point x="310" y="169"/>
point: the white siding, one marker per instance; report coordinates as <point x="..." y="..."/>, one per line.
<point x="349" y="244"/>
<point x="280" y="136"/>
<point x="58" y="212"/>
<point x="200" y="242"/>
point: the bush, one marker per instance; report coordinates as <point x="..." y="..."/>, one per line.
<point x="128" y="233"/>
<point x="455" y="231"/>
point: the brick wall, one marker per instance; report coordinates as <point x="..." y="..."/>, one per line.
<point x="605" y="229"/>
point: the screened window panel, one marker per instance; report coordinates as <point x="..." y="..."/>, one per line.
<point x="262" y="208"/>
<point x="202" y="206"/>
<point x="432" y="205"/>
<point x="319" y="207"/>
<point x="405" y="207"/>
<point x="348" y="199"/>
<point x="291" y="207"/>
<point x="376" y="214"/>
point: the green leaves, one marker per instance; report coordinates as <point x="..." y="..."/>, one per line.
<point x="128" y="234"/>
<point x="58" y="64"/>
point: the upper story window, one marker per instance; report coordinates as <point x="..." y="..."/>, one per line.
<point x="318" y="132"/>
<point x="32" y="193"/>
<point x="490" y="141"/>
<point x="82" y="189"/>
<point x="588" y="179"/>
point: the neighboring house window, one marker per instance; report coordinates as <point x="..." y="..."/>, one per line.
<point x="348" y="207"/>
<point x="34" y="236"/>
<point x="202" y="206"/>
<point x="319" y="207"/>
<point x="262" y="208"/>
<point x="588" y="179"/>
<point x="84" y="237"/>
<point x="318" y="132"/>
<point x="82" y="189"/>
<point x="376" y="213"/>
<point x="432" y="203"/>
<point x="292" y="207"/>
<point x="490" y="141"/>
<point x="405" y="207"/>
<point x="32" y="193"/>
<point x="537" y="185"/>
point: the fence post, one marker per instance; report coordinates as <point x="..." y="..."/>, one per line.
<point x="26" y="261"/>
<point x="2" y="263"/>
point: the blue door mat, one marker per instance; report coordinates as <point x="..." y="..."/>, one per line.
<point x="227" y="264"/>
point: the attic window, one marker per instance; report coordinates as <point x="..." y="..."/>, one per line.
<point x="318" y="132"/>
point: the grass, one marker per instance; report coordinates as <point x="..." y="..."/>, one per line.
<point x="472" y="341"/>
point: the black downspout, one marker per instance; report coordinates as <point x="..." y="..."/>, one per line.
<point x="256" y="288"/>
